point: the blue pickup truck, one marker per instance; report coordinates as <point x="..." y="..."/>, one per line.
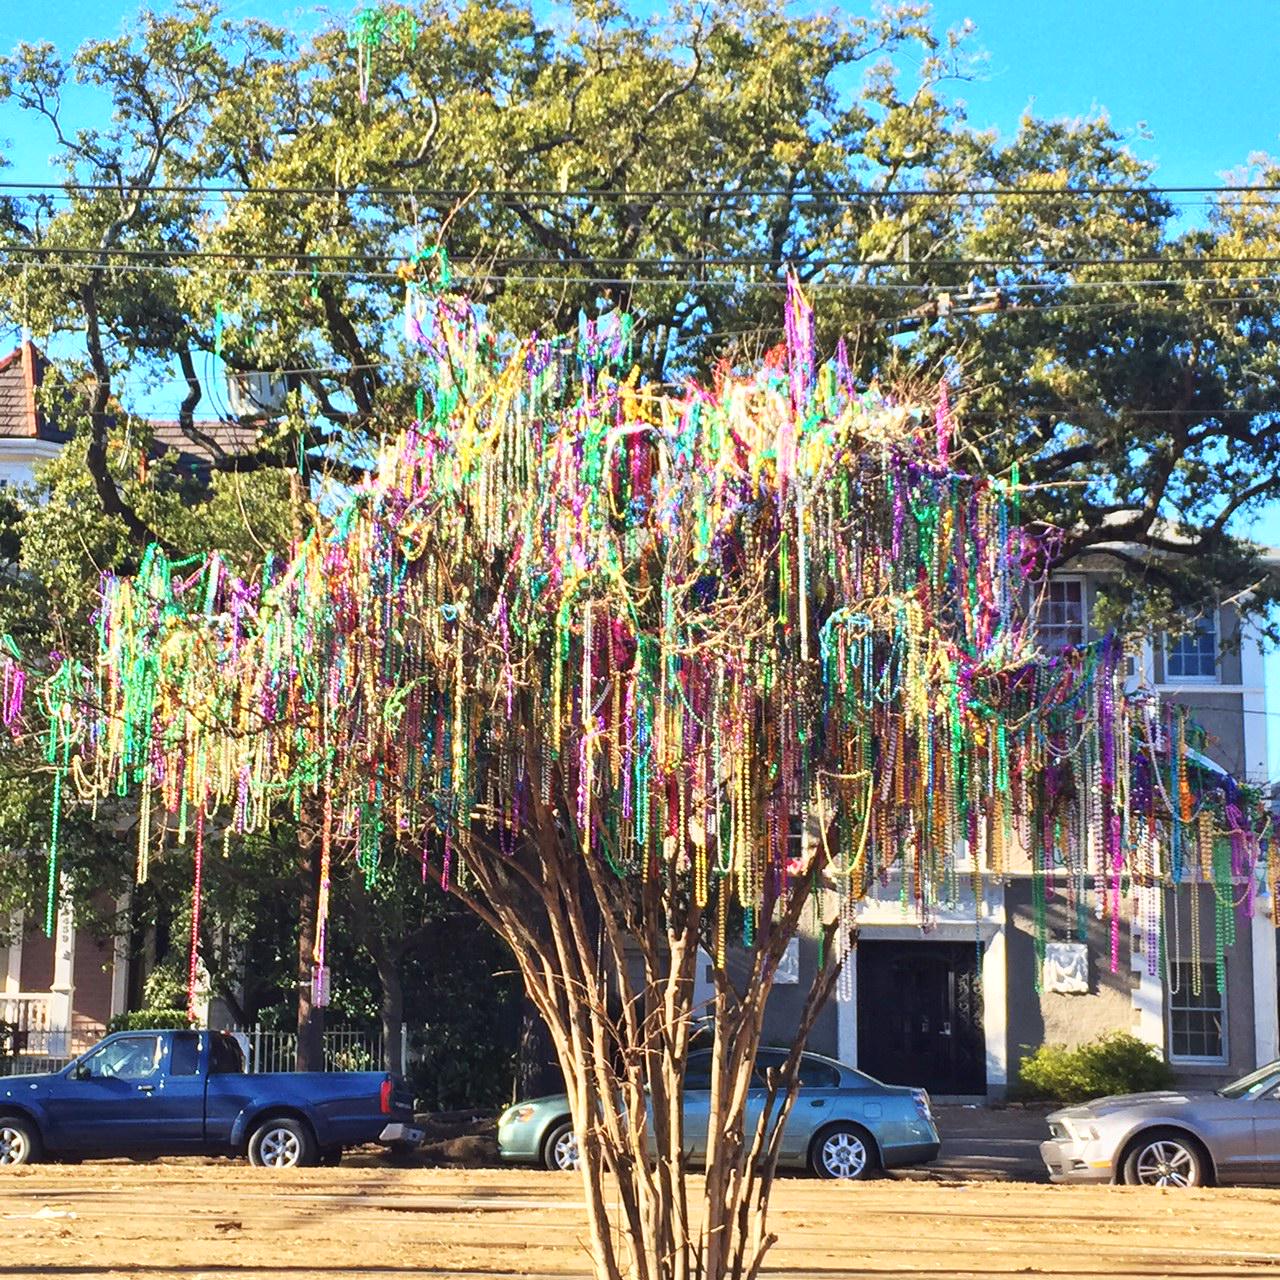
<point x="187" y="1093"/>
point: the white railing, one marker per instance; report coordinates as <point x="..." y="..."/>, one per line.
<point x="27" y="1010"/>
<point x="345" y="1049"/>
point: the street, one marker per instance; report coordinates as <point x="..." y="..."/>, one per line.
<point x="215" y="1220"/>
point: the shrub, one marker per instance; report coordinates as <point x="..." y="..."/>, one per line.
<point x="150" y="1020"/>
<point x="1113" y="1063"/>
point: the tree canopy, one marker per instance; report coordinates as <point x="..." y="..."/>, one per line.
<point x="253" y="196"/>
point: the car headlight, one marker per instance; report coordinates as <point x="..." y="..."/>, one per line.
<point x="1080" y="1132"/>
<point x="517" y="1114"/>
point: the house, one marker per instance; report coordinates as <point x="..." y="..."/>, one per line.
<point x="59" y="992"/>
<point x="956" y="1006"/>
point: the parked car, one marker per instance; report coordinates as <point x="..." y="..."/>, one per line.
<point x="187" y="1093"/>
<point x="1172" y="1138"/>
<point x="843" y="1124"/>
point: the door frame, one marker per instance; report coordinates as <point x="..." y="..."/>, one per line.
<point x="877" y="923"/>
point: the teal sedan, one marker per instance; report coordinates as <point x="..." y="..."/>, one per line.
<point x="843" y="1124"/>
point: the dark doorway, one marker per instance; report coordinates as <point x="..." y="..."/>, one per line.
<point x="920" y="1015"/>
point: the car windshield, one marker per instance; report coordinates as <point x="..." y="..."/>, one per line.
<point x="1255" y="1084"/>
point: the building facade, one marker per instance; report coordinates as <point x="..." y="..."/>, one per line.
<point x="956" y="1005"/>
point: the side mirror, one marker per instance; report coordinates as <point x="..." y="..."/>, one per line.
<point x="81" y="1072"/>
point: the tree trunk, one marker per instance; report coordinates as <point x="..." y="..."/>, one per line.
<point x="537" y="1067"/>
<point x="391" y="1005"/>
<point x="310" y="1017"/>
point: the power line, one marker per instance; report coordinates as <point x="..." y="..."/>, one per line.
<point x="38" y="253"/>
<point x="805" y="195"/>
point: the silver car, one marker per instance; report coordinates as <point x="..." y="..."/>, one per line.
<point x="1172" y="1139"/>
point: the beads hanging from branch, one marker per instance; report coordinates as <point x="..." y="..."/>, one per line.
<point x="690" y="622"/>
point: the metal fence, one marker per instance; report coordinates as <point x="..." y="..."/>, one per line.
<point x="345" y="1049"/>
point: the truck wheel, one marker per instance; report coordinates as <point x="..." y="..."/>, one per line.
<point x="283" y="1143"/>
<point x="19" y="1141"/>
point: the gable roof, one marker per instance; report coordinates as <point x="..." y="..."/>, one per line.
<point x="22" y="371"/>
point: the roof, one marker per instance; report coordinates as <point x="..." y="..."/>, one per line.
<point x="22" y="371"/>
<point x="230" y="437"/>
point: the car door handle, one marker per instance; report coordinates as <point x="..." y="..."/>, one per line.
<point x="817" y="1102"/>
<point x="146" y="1088"/>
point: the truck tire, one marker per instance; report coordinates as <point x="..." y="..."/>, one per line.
<point x="282" y="1143"/>
<point x="19" y="1141"/>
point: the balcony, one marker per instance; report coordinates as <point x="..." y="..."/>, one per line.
<point x="28" y="1026"/>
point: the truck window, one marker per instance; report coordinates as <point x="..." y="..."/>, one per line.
<point x="185" y="1054"/>
<point x="128" y="1058"/>
<point x="224" y="1056"/>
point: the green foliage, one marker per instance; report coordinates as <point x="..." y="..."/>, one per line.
<point x="159" y="1019"/>
<point x="1116" y="1062"/>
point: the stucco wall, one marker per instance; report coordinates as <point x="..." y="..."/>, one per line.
<point x="1052" y="1017"/>
<point x="782" y="1013"/>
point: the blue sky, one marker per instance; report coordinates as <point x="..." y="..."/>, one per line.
<point x="1192" y="83"/>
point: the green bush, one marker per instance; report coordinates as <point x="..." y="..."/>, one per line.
<point x="150" y="1020"/>
<point x="1113" y="1063"/>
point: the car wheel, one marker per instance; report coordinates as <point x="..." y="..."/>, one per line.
<point x="843" y="1151"/>
<point x="283" y="1143"/>
<point x="1165" y="1158"/>
<point x="560" y="1151"/>
<point x="19" y="1141"/>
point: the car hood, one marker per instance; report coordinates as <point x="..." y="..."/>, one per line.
<point x="539" y="1102"/>
<point x="15" y="1086"/>
<point x="1161" y="1098"/>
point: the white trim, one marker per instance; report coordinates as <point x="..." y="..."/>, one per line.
<point x="1266" y="1012"/>
<point x="1205" y="683"/>
<point x="1253" y="704"/>
<point x="120" y="958"/>
<point x="995" y="1007"/>
<point x="1147" y="998"/>
<point x="847" y="1016"/>
<point x="13" y="963"/>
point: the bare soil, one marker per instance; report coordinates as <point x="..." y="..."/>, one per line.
<point x="197" y="1220"/>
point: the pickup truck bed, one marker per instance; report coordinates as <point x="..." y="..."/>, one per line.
<point x="186" y="1092"/>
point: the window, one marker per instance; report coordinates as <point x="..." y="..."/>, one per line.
<point x="185" y="1054"/>
<point x="129" y="1058"/>
<point x="1194" y="654"/>
<point x="1197" y="1022"/>
<point x="224" y="1056"/>
<point x="1062" y="617"/>
<point x="813" y="1074"/>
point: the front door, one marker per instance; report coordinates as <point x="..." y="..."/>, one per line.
<point x="920" y="1016"/>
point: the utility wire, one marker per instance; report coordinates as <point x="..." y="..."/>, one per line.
<point x="806" y="195"/>
<point x="98" y="256"/>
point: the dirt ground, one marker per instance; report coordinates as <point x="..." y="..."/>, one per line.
<point x="203" y="1220"/>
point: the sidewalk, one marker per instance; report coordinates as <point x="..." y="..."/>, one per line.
<point x="987" y="1145"/>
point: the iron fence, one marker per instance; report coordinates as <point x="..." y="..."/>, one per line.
<point x="345" y="1049"/>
